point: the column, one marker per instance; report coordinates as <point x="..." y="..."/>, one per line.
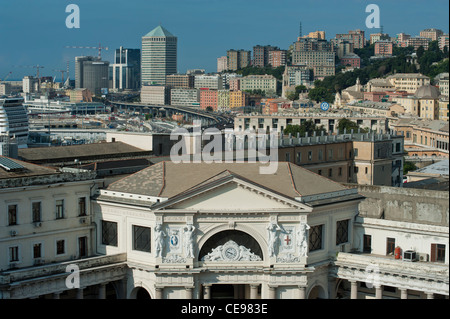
<point x="253" y="291"/>
<point x="159" y="293"/>
<point x="102" y="291"/>
<point x="430" y="295"/>
<point x="301" y="292"/>
<point x="403" y="293"/>
<point x="378" y="292"/>
<point x="354" y="290"/>
<point x="189" y="291"/>
<point x="80" y="293"/>
<point x="207" y="291"/>
<point x="272" y="292"/>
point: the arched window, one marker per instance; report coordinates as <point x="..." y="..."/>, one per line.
<point x="224" y="237"/>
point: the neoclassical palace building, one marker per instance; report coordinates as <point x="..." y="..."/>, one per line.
<point x="206" y="231"/>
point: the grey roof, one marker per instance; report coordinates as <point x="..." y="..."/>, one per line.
<point x="28" y="170"/>
<point x="167" y="179"/>
<point x="427" y="92"/>
<point x="440" y="167"/>
<point x="434" y="125"/>
<point x="94" y="150"/>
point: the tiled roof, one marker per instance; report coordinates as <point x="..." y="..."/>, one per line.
<point x="77" y="151"/>
<point x="27" y="171"/>
<point x="167" y="179"/>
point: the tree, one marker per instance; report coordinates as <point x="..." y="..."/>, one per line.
<point x="307" y="127"/>
<point x="408" y="166"/>
<point x="321" y="94"/>
<point x="347" y="125"/>
<point x="420" y="52"/>
<point x="291" y="95"/>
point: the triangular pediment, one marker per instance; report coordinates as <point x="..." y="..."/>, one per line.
<point x="232" y="195"/>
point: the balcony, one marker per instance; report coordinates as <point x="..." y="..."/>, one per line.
<point x="58" y="269"/>
<point x="418" y="275"/>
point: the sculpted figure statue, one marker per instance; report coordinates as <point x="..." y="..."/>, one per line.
<point x="215" y="254"/>
<point x="189" y="242"/>
<point x="273" y="238"/>
<point x="302" y="238"/>
<point x="159" y="240"/>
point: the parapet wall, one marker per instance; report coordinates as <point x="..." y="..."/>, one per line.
<point x="404" y="204"/>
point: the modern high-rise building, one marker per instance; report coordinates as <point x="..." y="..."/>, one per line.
<point x="443" y="42"/>
<point x="317" y="55"/>
<point x="375" y="37"/>
<point x="222" y="64"/>
<point x="277" y="58"/>
<point x="357" y="37"/>
<point x="125" y="72"/>
<point x="14" y="121"/>
<point x="159" y="56"/>
<point x="417" y="42"/>
<point x="432" y="34"/>
<point x="92" y="74"/>
<point x="238" y="59"/>
<point x="261" y="55"/>
<point x="384" y="48"/>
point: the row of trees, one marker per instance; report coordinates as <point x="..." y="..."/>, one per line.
<point x="344" y="125"/>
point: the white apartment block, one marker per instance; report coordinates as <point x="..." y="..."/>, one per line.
<point x="185" y="97"/>
<point x="213" y="82"/>
<point x="408" y="82"/>
<point x="157" y="95"/>
<point x="266" y="83"/>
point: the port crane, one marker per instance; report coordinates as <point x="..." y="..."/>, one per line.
<point x="99" y="48"/>
<point x="6" y="77"/>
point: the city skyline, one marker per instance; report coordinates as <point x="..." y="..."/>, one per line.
<point x="36" y="32"/>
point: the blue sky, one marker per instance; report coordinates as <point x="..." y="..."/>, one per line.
<point x="34" y="31"/>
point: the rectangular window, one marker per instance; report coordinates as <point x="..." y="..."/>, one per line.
<point x="299" y="157"/>
<point x="287" y="157"/>
<point x="315" y="237"/>
<point x="330" y="172"/>
<point x="82" y="246"/>
<point x="141" y="238"/>
<point x="109" y="233"/>
<point x="60" y="208"/>
<point x="37" y="250"/>
<point x="320" y="155"/>
<point x="14" y="254"/>
<point x="82" y="206"/>
<point x="12" y="215"/>
<point x="367" y="244"/>
<point x="330" y="154"/>
<point x="36" y="208"/>
<point x="437" y="253"/>
<point x="342" y="231"/>
<point x="60" y="247"/>
<point x="310" y="156"/>
<point x="340" y="171"/>
<point x="390" y="246"/>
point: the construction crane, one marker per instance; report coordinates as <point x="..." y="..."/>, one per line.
<point x="6" y="77"/>
<point x="62" y="74"/>
<point x="37" y="67"/>
<point x="99" y="48"/>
